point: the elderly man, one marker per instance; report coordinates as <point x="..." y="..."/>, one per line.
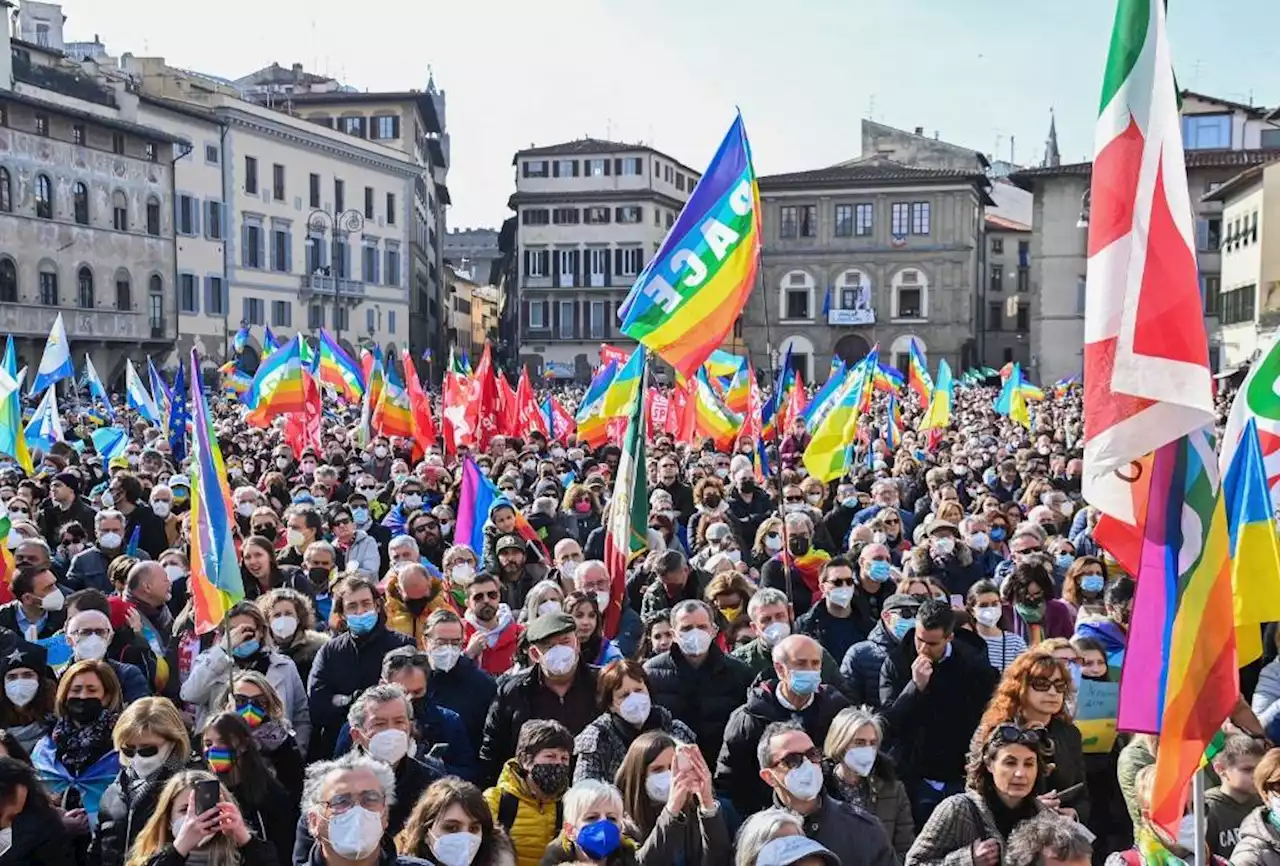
<point x="771" y="620"/>
<point x="164" y="507"/>
<point x="88" y="568"/>
<point x="797" y="693"/>
<point x="1049" y="839"/>
<point x="148" y="589"/>
<point x="90" y="633"/>
<point x="568" y="558"/>
<point x="64" y="506"/>
<point x="36" y="611"/>
<point x="975" y="531"/>
<point x="790" y="764"/>
<point x="456" y="681"/>
<point x="246" y="499"/>
<point x="347" y="808"/>
<point x="403" y="549"/>
<point x="806" y="563"/>
<point x="593" y="577"/>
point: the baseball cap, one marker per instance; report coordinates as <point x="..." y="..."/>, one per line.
<point x="786" y="850"/>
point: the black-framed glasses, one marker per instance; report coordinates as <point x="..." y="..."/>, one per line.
<point x="791" y="760"/>
<point x="397" y="661"/>
<point x="491" y="595"/>
<point x="371" y="800"/>
<point x="841" y="582"/>
<point x="1044" y="684"/>
<point x="140" y="751"/>
<point x="341" y="521"/>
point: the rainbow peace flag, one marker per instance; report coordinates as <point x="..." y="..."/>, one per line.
<point x="738" y="395"/>
<point x="337" y="369"/>
<point x="622" y="392"/>
<point x="215" y="573"/>
<point x="889" y="378"/>
<point x="938" y="415"/>
<point x="591" y="419"/>
<point x="277" y="387"/>
<point x="711" y="417"/>
<point x="918" y="374"/>
<point x="724" y="364"/>
<point x="269" y="343"/>
<point x="685" y="302"/>
<point x="893" y="424"/>
<point x="393" y="416"/>
<point x="240" y="340"/>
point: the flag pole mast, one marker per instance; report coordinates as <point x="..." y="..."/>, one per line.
<point x="777" y="435"/>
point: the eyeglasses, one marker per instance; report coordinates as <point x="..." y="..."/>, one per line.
<point x="1043" y="684"/>
<point x="93" y="632"/>
<point x="140" y="751"/>
<point x="793" y="499"/>
<point x="341" y="521"/>
<point x="407" y="660"/>
<point x="371" y="800"/>
<point x="839" y="582"/>
<point x="492" y="595"/>
<point x="791" y="760"/>
<point x="1015" y="734"/>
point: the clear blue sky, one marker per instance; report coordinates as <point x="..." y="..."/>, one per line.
<point x="804" y="72"/>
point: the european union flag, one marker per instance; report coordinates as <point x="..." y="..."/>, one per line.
<point x="179" y="417"/>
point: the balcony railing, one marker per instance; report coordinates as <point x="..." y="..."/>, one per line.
<point x="319" y="284"/>
<point x="35" y="320"/>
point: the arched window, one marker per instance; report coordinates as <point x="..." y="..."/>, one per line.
<point x="8" y="282"/>
<point x="910" y="294"/>
<point x="153" y="216"/>
<point x="854" y="297"/>
<point x="155" y="305"/>
<point x="84" y="289"/>
<point x="900" y="350"/>
<point x="6" y="191"/>
<point x="119" y="211"/>
<point x="44" y="197"/>
<point x="124" y="293"/>
<point x="795" y="301"/>
<point x="801" y="355"/>
<point x="80" y="202"/>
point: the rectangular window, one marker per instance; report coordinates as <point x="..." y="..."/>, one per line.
<point x="119" y="216"/>
<point x="341" y="318"/>
<point x="997" y="246"/>
<point x="597" y="216"/>
<point x="565" y="168"/>
<point x="564" y="216"/>
<point x="909" y="306"/>
<point x="280" y="251"/>
<point x="250" y="175"/>
<point x="1238" y="305"/>
<point x="211" y="153"/>
<point x="679" y="181"/>
<point x="797" y="303"/>
<point x="597" y="320"/>
<point x="153" y="218"/>
<point x="631" y="214"/>
<point x="213" y="225"/>
<point x="253" y="311"/>
<point x="997" y="278"/>
<point x="537" y="263"/>
<point x="597" y="264"/>
<point x="339" y="196"/>
<point x="597" y="167"/>
<point x="386" y="127"/>
<point x="535" y="168"/>
<point x="315" y="316"/>
<point x="150" y="152"/>
<point x="537" y="315"/>
<point x="995" y="316"/>
<point x="671" y="218"/>
<point x="808" y="220"/>
<point x="1024" y="254"/>
<point x="186" y="215"/>
<point x="566" y="320"/>
<point x="77" y="133"/>
<point x="315" y="190"/>
<point x="280" y="311"/>
<point x="900" y="218"/>
<point x="253" y="241"/>
<point x="864" y="219"/>
<point x="1024" y="317"/>
<point x="535" y="216"/>
<point x="117" y="142"/>
<point x="920" y="217"/>
<point x="632" y="165"/>
<point x="48" y="289"/>
<point x="217" y="300"/>
<point x="1211" y="289"/>
<point x="631" y="261"/>
<point x="391" y="321"/>
<point x="568" y="262"/>
<point x="277" y="182"/>
<point x="1270" y="138"/>
<point x="1080" y="294"/>
<point x="788" y="223"/>
<point x="42" y="125"/>
<point x="1024" y="280"/>
<point x="368" y="202"/>
<point x="393" y="267"/>
<point x="1206" y="131"/>
<point x="844" y="220"/>
<point x="391" y="208"/>
<point x="187" y="293"/>
<point x="352" y="125"/>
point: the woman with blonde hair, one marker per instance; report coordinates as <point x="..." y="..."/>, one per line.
<point x="547" y="596"/>
<point x="451" y="824"/>
<point x="153" y="745"/>
<point x="217" y="837"/>
<point x="768" y="541"/>
<point x="729" y="592"/>
<point x="862" y="776"/>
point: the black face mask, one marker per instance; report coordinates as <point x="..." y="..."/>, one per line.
<point x="268" y="532"/>
<point x="417" y="605"/>
<point x="798" y="545"/>
<point x="552" y="779"/>
<point x="319" y="577"/>
<point x="84" y="710"/>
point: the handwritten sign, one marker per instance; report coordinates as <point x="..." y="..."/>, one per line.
<point x="1097" y="705"/>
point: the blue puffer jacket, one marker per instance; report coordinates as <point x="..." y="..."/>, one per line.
<point x="861" y="666"/>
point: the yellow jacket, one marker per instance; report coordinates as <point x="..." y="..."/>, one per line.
<point x="534" y="825"/>
<point x="401" y="619"/>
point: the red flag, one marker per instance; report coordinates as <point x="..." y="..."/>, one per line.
<point x="563" y="423"/>
<point x="484" y="403"/>
<point x="455" y="417"/>
<point x="366" y="363"/>
<point x="508" y="406"/>
<point x="528" y="414"/>
<point x="612" y="353"/>
<point x="796" y="402"/>
<point x="302" y="429"/>
<point x="424" y="429"/>
<point x="659" y="404"/>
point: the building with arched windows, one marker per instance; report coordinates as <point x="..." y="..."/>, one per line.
<point x="867" y="252"/>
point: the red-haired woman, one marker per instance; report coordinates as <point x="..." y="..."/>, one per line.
<point x="1035" y="691"/>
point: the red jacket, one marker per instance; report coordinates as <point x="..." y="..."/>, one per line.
<point x="499" y="658"/>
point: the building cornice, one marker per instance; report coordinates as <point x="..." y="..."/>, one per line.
<point x="594" y="197"/>
<point x="285" y="132"/>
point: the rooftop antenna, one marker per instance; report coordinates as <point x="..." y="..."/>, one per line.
<point x="871" y="107"/>
<point x="1012" y="140"/>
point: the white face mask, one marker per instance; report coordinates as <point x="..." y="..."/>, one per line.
<point x="462" y="573"/>
<point x="245" y="509"/>
<point x="551" y="606"/>
<point x="602" y="600"/>
<point x="110" y="540"/>
<point x="282" y="462"/>
<point x="860" y="759"/>
<point x="979" y="541"/>
<point x="773" y="542"/>
<point x="658" y="786"/>
<point x="53" y="601"/>
<point x="559" y="660"/>
<point x="21" y="692"/>
<point x="569" y="568"/>
<point x="456" y="849"/>
<point x="284" y="627"/>
<point x="295" y="537"/>
<point x="147" y="766"/>
<point x="694" y="642"/>
<point x="91" y="647"/>
<point x="943" y="545"/>
<point x="774" y="633"/>
<point x="443" y="658"/>
<point x="175" y="572"/>
<point x="388" y="746"/>
<point x="356" y="833"/>
<point x="161" y="508"/>
<point x="804" y="782"/>
<point x="841" y="596"/>
<point x="988" y="616"/>
<point x="635" y="708"/>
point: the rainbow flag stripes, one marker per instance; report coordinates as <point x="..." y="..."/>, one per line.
<point x="253" y="715"/>
<point x="337" y="369"/>
<point x="686" y="300"/>
<point x="277" y="386"/>
<point x="219" y="759"/>
<point x="918" y="375"/>
<point x="393" y="415"/>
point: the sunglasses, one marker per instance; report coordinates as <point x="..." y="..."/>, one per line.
<point x="841" y="582"/>
<point x="342" y="521"/>
<point x="791" y="760"/>
<point x="1015" y="734"/>
<point x="492" y="595"/>
<point x="1043" y="684"/>
<point x="140" y="751"/>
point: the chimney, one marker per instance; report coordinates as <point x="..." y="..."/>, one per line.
<point x="919" y="130"/>
<point x="297" y="71"/>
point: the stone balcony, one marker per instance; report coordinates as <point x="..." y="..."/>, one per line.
<point x="36" y="320"/>
<point x="330" y="287"/>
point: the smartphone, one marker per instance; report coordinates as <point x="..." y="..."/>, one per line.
<point x="207" y="794"/>
<point x="957" y="601"/>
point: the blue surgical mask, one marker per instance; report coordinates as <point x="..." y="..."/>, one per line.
<point x="1092" y="583"/>
<point x="599" y="839"/>
<point x="362" y="623"/>
<point x="851" y="503"/>
<point x="804" y="682"/>
<point x="997" y="533"/>
<point x="1064" y="561"/>
<point x="879" y="570"/>
<point x="902" y="626"/>
<point x="360" y="515"/>
<point x="246" y="648"/>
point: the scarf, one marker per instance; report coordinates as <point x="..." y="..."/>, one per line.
<point x="492" y="635"/>
<point x="78" y="747"/>
<point x="808" y="566"/>
<point x="270" y="736"/>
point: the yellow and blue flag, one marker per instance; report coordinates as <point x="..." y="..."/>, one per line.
<point x="939" y="414"/>
<point x="1255" y="555"/>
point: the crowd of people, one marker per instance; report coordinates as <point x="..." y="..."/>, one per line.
<point x="882" y="670"/>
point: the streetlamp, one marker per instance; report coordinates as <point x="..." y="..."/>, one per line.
<point x="343" y="225"/>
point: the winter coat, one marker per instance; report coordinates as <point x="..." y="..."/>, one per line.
<point x="345" y="665"/>
<point x="929" y="731"/>
<point x="53" y="620"/>
<point x="1266" y="694"/>
<point x="363" y="555"/>
<point x="496" y="659"/>
<point x="687" y="838"/>
<point x="702" y="697"/>
<point x="205" y="688"/>
<point x="853" y="835"/>
<point x="602" y="745"/>
<point x="887" y="799"/>
<point x="737" y="773"/>
<point x="88" y="570"/>
<point x="860" y="667"/>
<point x="255" y="851"/>
<point x="513" y="706"/>
<point x="133" y="682"/>
<point x="468" y="691"/>
<point x="1259" y="842"/>
<point x="440" y="737"/>
<point x="561" y="850"/>
<point x="52" y="518"/>
<point x="818" y="623"/>
<point x="274" y="818"/>
<point x="758" y="657"/>
<point x="630" y="632"/>
<point x="657" y="599"/>
<point x="957" y="572"/>
<point x="302" y="650"/>
<point x="125" y="806"/>
<point x="534" y="823"/>
<point x="402" y="619"/>
<point x="38" y="840"/>
<point x="947" y="838"/>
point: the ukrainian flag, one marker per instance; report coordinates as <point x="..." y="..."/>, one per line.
<point x="1255" y="557"/>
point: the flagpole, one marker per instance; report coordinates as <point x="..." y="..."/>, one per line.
<point x="1197" y="798"/>
<point x="777" y="434"/>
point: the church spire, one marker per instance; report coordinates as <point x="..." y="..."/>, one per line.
<point x="1052" y="158"/>
<point x="431" y="80"/>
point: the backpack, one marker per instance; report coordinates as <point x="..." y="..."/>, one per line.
<point x="509" y="804"/>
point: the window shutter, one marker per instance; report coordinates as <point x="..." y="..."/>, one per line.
<point x="377" y="270"/>
<point x="607" y="167"/>
<point x="288" y="251"/>
<point x="555" y="168"/>
<point x="617" y="261"/>
<point x="244" y="311"/>
<point x="555" y="317"/>
<point x="208" y="294"/>
<point x="608" y="271"/>
<point x="288" y="314"/>
<point x="555" y="267"/>
<point x="524" y="316"/>
<point x="524" y="168"/>
<point x="177" y="214"/>
<point x="576" y="256"/>
<point x="244" y="246"/>
<point x="262" y="247"/>
<point x="617" y="166"/>
<point x="575" y="168"/>
<point x="528" y="254"/>
<point x="196" y="206"/>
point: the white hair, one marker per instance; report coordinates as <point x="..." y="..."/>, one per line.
<point x="587" y="793"/>
<point x="761" y="829"/>
<point x="160" y="488"/>
<point x="589" y="565"/>
<point x="765" y="597"/>
<point x="318" y="774"/>
<point x="402" y="541"/>
<point x="107" y="514"/>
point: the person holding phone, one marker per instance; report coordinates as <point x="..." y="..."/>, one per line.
<point x="196" y="820"/>
<point x="233" y="756"/>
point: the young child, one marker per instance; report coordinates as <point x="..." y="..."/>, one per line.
<point x="1228" y="804"/>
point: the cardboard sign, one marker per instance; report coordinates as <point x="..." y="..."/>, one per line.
<point x="1097" y="705"/>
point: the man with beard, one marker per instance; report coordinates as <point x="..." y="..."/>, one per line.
<point x="425" y="529"/>
<point x="518" y="575"/>
<point x="88" y="569"/>
<point x="490" y="634"/>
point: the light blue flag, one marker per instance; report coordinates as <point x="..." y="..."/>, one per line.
<point x="161" y="397"/>
<point x="46" y="426"/>
<point x="138" y="396"/>
<point x="110" y="442"/>
<point x="94" y="384"/>
<point x="55" y="363"/>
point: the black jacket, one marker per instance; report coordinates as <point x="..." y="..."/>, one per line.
<point x="273" y="817"/>
<point x="929" y="731"/>
<point x="125" y="806"/>
<point x="681" y="498"/>
<point x="513" y="706"/>
<point x="255" y="851"/>
<point x="53" y="620"/>
<point x="703" y="697"/>
<point x="1068" y="766"/>
<point x="38" y="838"/>
<point x="745" y="517"/>
<point x="52" y="518"/>
<point x="774" y="574"/>
<point x="818" y="621"/>
<point x="854" y="835"/>
<point x="344" y="666"/>
<point x="861" y="666"/>
<point x="151" y="535"/>
<point x="838" y="521"/>
<point x="468" y="691"/>
<point x="737" y="774"/>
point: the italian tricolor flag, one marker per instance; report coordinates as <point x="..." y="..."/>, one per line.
<point x="628" y="512"/>
<point x="1146" y="356"/>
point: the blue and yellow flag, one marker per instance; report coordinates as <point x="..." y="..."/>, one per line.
<point x="1255" y="556"/>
